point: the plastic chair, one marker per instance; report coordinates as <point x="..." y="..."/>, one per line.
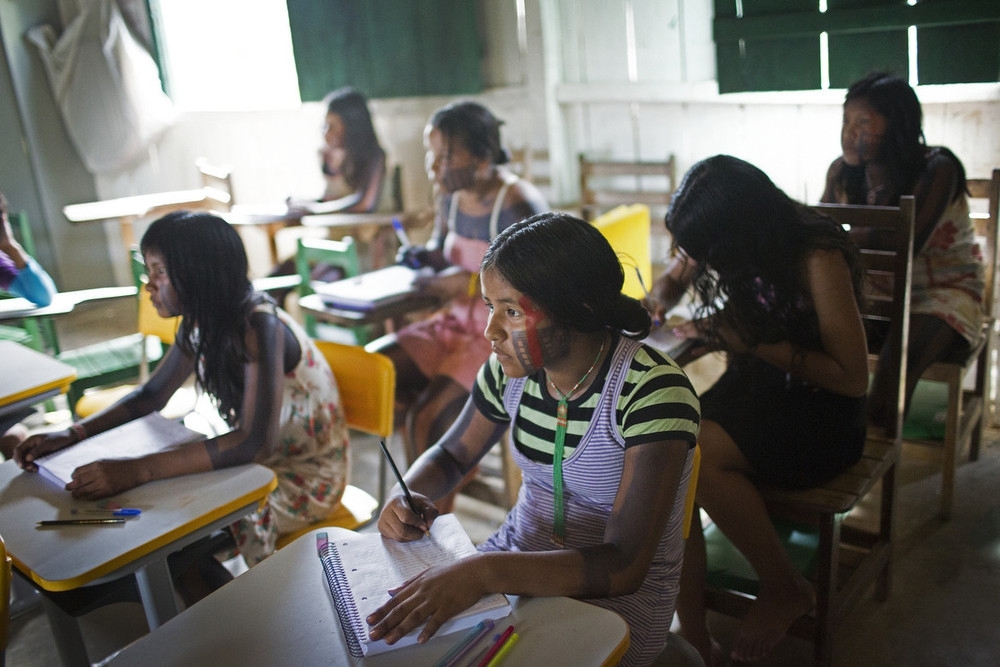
<point x="342" y="255"/>
<point x="627" y="230"/>
<point x="941" y="387"/>
<point x="841" y="561"/>
<point x="120" y="359"/>
<point x="37" y="333"/>
<point x="367" y="385"/>
<point x="5" y="575"/>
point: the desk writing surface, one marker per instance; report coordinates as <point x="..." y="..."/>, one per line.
<point x="63" y="558"/>
<point x="28" y="373"/>
<point x="313" y="304"/>
<point x="137" y="205"/>
<point x="281" y="613"/>
<point x="62" y="302"/>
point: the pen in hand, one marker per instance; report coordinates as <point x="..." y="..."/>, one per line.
<point x="402" y="484"/>
<point x="404" y="240"/>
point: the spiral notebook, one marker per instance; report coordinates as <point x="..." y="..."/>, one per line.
<point x="360" y="569"/>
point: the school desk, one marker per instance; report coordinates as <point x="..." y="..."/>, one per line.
<point x="175" y="513"/>
<point x="281" y="613"/>
<point x="29" y="377"/>
<point x="344" y="317"/>
<point x="126" y="210"/>
<point x="19" y="308"/>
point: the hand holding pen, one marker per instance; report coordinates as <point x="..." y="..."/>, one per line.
<point x="426" y="514"/>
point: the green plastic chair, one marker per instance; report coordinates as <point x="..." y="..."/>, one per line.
<point x="342" y="255"/>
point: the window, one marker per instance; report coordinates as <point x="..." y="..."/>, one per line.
<point x="225" y="54"/>
<point x="811" y="44"/>
<point x="386" y="48"/>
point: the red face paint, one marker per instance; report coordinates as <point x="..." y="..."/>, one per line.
<point x="532" y="316"/>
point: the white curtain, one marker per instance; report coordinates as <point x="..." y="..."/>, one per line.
<point x="106" y="84"/>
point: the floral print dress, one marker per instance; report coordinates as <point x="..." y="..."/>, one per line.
<point x="311" y="459"/>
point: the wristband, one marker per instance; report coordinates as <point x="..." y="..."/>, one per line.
<point x="78" y="430"/>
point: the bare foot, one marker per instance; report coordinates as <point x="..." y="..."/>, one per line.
<point x="769" y="618"/>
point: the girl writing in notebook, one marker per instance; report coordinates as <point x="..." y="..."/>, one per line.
<point x="436" y="359"/>
<point x="266" y="378"/>
<point x="602" y="426"/>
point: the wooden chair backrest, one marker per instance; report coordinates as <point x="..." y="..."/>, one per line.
<point x="605" y="184"/>
<point x="218" y="180"/>
<point x="880" y="265"/>
<point x="367" y="385"/>
<point x="986" y="228"/>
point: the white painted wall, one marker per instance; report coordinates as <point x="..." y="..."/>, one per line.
<point x="573" y="92"/>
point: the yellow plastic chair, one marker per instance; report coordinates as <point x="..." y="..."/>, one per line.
<point x="627" y="230"/>
<point x="367" y="385"/>
<point x="5" y="575"/>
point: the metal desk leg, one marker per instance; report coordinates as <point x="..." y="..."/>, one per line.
<point x="66" y="632"/>
<point x="157" y="591"/>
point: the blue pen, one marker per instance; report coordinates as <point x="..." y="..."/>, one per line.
<point x="404" y="240"/>
<point x="474" y="636"/>
<point x="122" y="511"/>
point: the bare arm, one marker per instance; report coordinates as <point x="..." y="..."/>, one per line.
<point x="257" y="429"/>
<point x="617" y="566"/>
<point x="668" y="289"/>
<point x="842" y="365"/>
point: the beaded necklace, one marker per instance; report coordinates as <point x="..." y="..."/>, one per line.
<point x="562" y="419"/>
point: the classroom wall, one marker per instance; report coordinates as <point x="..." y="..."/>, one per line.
<point x="571" y="85"/>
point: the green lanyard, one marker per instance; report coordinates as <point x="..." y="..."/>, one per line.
<point x="562" y="420"/>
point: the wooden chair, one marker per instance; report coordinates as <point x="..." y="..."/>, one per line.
<point x="121" y="359"/>
<point x="217" y="180"/>
<point x="367" y="385"/>
<point x="842" y="561"/>
<point x="605" y="184"/>
<point x="966" y="410"/>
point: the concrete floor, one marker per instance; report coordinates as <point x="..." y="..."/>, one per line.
<point x="945" y="592"/>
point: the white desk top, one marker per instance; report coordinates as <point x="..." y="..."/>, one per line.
<point x="67" y="557"/>
<point x="62" y="303"/>
<point x="281" y="613"/>
<point x="29" y="375"/>
<point x="138" y="205"/>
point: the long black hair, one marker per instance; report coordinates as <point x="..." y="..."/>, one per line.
<point x="569" y="269"/>
<point x="904" y="148"/>
<point x="475" y="127"/>
<point x="362" y="151"/>
<point x="207" y="265"/>
<point x="749" y="239"/>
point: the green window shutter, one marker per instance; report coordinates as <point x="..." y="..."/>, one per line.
<point x="959" y="54"/>
<point x="386" y="48"/>
<point x="751" y="57"/>
<point x="775" y="44"/>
